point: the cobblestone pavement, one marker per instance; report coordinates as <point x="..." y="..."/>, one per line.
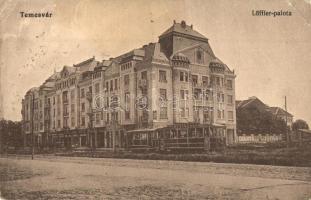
<point x="51" y="177"/>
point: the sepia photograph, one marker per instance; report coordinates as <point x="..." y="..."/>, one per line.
<point x="158" y="99"/>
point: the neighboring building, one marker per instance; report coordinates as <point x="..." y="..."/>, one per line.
<point x="257" y="122"/>
<point x="172" y="94"/>
<point x="280" y="113"/>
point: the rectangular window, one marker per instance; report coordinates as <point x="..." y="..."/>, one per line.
<point x="82" y="107"/>
<point x="219" y="114"/>
<point x="194" y="79"/>
<point x="127" y="105"/>
<point x="199" y="56"/>
<point x="97" y="88"/>
<point x="197" y="93"/>
<point x="218" y="81"/>
<point x="230" y="99"/>
<point x="162" y="76"/>
<point x="181" y="78"/>
<point x="163" y="94"/>
<point x="115" y="84"/>
<point x="82" y="95"/>
<point x="97" y="118"/>
<point x="186" y="76"/>
<point x="127" y="114"/>
<point x="111" y="85"/>
<point x="72" y="121"/>
<point x="107" y="117"/>
<point x="107" y="86"/>
<point x="107" y="102"/>
<point x="205" y="81"/>
<point x="230" y="115"/>
<point x="205" y="115"/>
<point x="83" y="121"/>
<point x="72" y="94"/>
<point x="163" y="112"/>
<point x="229" y="84"/>
<point x="72" y="108"/>
<point x="144" y="75"/>
<point x="184" y="112"/>
<point x="126" y="79"/>
<point x="184" y="94"/>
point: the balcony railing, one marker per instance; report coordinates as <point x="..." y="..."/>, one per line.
<point x="65" y="101"/>
<point x="47" y="105"/>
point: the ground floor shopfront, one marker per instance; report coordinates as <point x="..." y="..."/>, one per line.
<point x="174" y="137"/>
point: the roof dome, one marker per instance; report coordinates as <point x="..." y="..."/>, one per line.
<point x="217" y="66"/>
<point x="180" y="57"/>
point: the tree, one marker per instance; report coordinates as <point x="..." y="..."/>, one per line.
<point x="10" y="134"/>
<point x="279" y="126"/>
<point x="254" y="121"/>
<point x="300" y="124"/>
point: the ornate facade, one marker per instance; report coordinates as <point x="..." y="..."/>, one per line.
<point x="173" y="94"/>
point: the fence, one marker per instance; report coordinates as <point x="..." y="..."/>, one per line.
<point x="260" y="138"/>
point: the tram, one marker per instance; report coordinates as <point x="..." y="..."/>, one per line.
<point x="182" y="137"/>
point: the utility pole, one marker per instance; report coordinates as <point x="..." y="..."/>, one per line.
<point x="32" y="134"/>
<point x="287" y="134"/>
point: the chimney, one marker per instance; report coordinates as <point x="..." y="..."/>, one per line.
<point x="191" y="26"/>
<point x="183" y="24"/>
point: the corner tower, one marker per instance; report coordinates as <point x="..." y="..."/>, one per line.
<point x="180" y="36"/>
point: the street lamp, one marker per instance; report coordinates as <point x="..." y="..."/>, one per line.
<point x="32" y="133"/>
<point x="115" y="106"/>
<point x="91" y="114"/>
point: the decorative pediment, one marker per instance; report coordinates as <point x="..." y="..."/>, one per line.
<point x="198" y="54"/>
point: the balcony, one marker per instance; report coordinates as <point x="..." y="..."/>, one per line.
<point x="47" y="105"/>
<point x="65" y="101"/>
<point x="143" y="83"/>
<point x="196" y="120"/>
<point x="206" y="121"/>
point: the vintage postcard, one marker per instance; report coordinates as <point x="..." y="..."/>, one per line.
<point x="161" y="99"/>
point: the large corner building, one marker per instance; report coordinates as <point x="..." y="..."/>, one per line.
<point x="173" y="94"/>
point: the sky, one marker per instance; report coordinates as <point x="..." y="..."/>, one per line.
<point x="270" y="55"/>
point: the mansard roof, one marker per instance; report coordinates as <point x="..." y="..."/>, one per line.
<point x="135" y="53"/>
<point x="87" y="65"/>
<point x="184" y="29"/>
<point x="153" y="53"/>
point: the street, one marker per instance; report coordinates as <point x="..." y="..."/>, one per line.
<point x="51" y="177"/>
